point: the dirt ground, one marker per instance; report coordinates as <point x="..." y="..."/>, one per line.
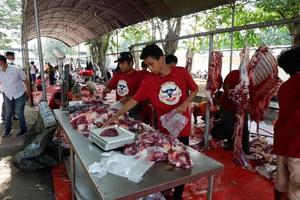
<point x="17" y="184"/>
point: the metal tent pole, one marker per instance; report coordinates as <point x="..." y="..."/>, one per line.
<point x="207" y="117"/>
<point x="231" y="35"/>
<point x="38" y="33"/>
<point x="26" y="57"/>
<point x="78" y="52"/>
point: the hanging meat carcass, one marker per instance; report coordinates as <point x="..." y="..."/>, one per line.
<point x="214" y="80"/>
<point x="240" y="95"/>
<point x="264" y="81"/>
<point x="259" y="82"/>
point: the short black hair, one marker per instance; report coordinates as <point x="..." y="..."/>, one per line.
<point x="3" y="58"/>
<point x="289" y="61"/>
<point x="32" y="62"/>
<point x="9" y="53"/>
<point x="151" y="50"/>
<point x="143" y="65"/>
<point x="171" y="58"/>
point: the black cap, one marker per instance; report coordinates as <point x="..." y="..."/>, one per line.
<point x="125" y="56"/>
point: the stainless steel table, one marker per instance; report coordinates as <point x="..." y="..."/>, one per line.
<point x="157" y="178"/>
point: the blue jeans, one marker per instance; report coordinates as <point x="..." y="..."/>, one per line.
<point x="15" y="106"/>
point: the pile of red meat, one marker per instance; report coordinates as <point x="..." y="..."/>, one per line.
<point x="89" y="118"/>
<point x="92" y="101"/>
<point x="94" y="116"/>
<point x="160" y="147"/>
<point x="261" y="154"/>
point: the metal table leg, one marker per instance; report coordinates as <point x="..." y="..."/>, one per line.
<point x="72" y="162"/>
<point x="58" y="130"/>
<point x="210" y="187"/>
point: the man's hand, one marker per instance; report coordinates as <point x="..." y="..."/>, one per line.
<point x="113" y="119"/>
<point x="182" y="107"/>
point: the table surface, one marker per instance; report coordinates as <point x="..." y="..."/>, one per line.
<point x="159" y="177"/>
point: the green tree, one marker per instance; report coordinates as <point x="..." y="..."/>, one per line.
<point x="172" y="27"/>
<point x="10" y="23"/>
<point x="247" y="12"/>
<point x="284" y="9"/>
<point x="135" y="34"/>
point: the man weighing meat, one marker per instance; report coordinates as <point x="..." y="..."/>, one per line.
<point x="167" y="89"/>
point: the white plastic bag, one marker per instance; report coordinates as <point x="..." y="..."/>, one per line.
<point x="131" y="167"/>
<point x="174" y="122"/>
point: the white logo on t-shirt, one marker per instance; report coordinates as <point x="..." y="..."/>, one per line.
<point x="122" y="88"/>
<point x="169" y="93"/>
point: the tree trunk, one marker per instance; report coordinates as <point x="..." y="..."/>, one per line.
<point x="98" y="49"/>
<point x="295" y="34"/>
<point x="170" y="46"/>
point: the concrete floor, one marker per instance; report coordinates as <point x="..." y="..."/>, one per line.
<point x="16" y="184"/>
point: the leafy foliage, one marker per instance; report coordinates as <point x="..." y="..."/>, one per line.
<point x="10" y="23"/>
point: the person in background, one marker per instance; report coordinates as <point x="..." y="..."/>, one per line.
<point x="171" y="60"/>
<point x="10" y="56"/>
<point x="51" y="73"/>
<point x="228" y="110"/>
<point x="55" y="100"/>
<point x="126" y="82"/>
<point x="287" y="129"/>
<point x="167" y="89"/>
<point x="33" y="71"/>
<point x="16" y="90"/>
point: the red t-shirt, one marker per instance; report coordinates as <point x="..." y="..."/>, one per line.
<point x="287" y="128"/>
<point x="166" y="93"/>
<point x="52" y="104"/>
<point x="126" y="83"/>
<point x="232" y="79"/>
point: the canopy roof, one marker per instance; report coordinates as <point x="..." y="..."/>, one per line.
<point x="76" y="21"/>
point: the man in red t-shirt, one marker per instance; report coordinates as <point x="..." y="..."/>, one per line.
<point x="287" y="129"/>
<point x="167" y="89"/>
<point x="126" y="81"/>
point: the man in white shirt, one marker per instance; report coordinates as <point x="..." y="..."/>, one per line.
<point x="10" y="58"/>
<point x="16" y="89"/>
<point x="33" y="71"/>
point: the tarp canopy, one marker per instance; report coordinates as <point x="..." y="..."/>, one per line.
<point x="76" y="21"/>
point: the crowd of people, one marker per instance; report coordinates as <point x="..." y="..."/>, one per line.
<point x="161" y="87"/>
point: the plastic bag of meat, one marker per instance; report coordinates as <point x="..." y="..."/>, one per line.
<point x="110" y="132"/>
<point x="174" y="122"/>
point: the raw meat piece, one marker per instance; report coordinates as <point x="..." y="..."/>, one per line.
<point x="180" y="159"/>
<point x="110" y="132"/>
<point x="157" y="153"/>
<point x="79" y="119"/>
<point x="160" y="147"/>
<point x="214" y="80"/>
<point x="264" y="81"/>
<point x="240" y="95"/>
